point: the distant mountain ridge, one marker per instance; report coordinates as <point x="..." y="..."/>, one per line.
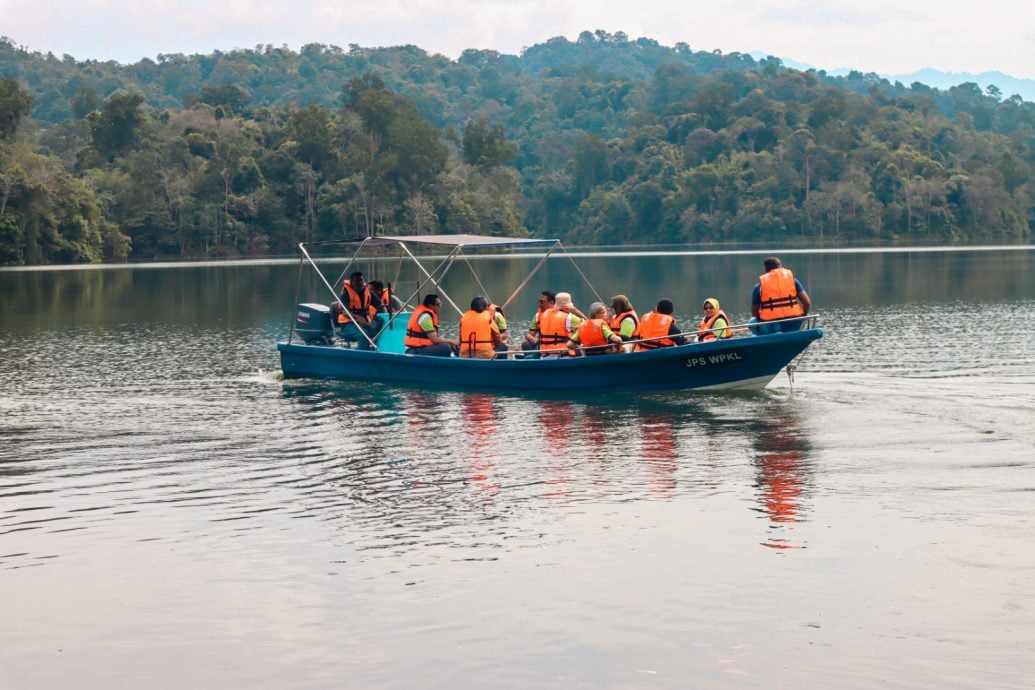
<point x="1025" y="88"/>
<point x="1008" y="85"/>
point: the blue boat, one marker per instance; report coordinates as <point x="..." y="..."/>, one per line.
<point x="315" y="351"/>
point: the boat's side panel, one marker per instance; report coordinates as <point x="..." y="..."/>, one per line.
<point x="739" y="363"/>
<point x="755" y="384"/>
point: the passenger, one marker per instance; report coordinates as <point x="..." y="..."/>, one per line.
<point x="659" y="329"/>
<point x="594" y="335"/>
<point x="479" y="334"/>
<point x="422" y="336"/>
<point x="715" y="323"/>
<point x="546" y="301"/>
<point x="625" y="320"/>
<point x="500" y="319"/>
<point x="777" y="296"/>
<point x="388" y="298"/>
<point x="360" y="312"/>
<point x="557" y="325"/>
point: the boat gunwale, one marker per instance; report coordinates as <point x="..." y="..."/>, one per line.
<point x="673" y="351"/>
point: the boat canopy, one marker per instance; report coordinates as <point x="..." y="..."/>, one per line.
<point x="434" y="275"/>
<point x="444" y="240"/>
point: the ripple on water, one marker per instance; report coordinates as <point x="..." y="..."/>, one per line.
<point x="171" y="484"/>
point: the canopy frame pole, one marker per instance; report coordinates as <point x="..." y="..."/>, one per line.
<point x="298" y="292"/>
<point x="341" y="278"/>
<point x="429" y="279"/>
<point x="565" y="252"/>
<point x="529" y="277"/>
<point x="337" y="297"/>
<point x="476" y="278"/>
<point x="446" y="263"/>
<point x="395" y="282"/>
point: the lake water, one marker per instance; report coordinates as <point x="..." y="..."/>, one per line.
<point x="172" y="515"/>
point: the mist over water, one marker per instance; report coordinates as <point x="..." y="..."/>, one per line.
<point x="174" y="515"/>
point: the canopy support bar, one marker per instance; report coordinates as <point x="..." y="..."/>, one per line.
<point x="420" y="286"/>
<point x="337" y="297"/>
<point x="525" y="282"/>
<point x="446" y="262"/>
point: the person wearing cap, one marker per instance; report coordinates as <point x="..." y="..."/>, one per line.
<point x="557" y="325"/>
<point x="778" y="296"/>
<point x="715" y="323"/>
<point x="594" y="336"/>
<point x="658" y="328"/>
<point x="479" y="334"/>
<point x="626" y="320"/>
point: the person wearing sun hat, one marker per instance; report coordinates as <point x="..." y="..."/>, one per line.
<point x="715" y="323"/>
<point x="558" y="324"/>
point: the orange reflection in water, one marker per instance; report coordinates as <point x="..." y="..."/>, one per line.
<point x="783" y="476"/>
<point x="480" y="427"/>
<point x="658" y="446"/>
<point x="594" y="429"/>
<point x="423" y="428"/>
<point x="557" y="418"/>
<point x="421" y="413"/>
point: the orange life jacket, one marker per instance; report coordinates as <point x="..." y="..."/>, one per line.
<point x="553" y="330"/>
<point x="591" y="335"/>
<point x="415" y="335"/>
<point x="357" y="304"/>
<point x="616" y="322"/>
<point x="704" y="331"/>
<point x="779" y="296"/>
<point x="475" y="333"/>
<point x="654" y="325"/>
<point x="537" y="321"/>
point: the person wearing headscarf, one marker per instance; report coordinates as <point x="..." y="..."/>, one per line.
<point x="625" y="320"/>
<point x="715" y="323"/>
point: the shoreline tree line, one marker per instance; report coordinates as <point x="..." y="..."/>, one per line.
<point x="599" y="141"/>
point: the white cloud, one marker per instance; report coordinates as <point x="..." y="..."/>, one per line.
<point x="892" y="36"/>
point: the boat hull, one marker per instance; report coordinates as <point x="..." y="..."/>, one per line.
<point x="737" y="364"/>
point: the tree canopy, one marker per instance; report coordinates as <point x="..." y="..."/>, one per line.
<point x="604" y="140"/>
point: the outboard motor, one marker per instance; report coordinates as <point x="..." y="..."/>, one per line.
<point x="313" y="324"/>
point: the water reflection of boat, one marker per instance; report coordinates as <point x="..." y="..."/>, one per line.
<point x="423" y="461"/>
<point x="782" y="477"/>
<point x="658" y="452"/>
<point x="313" y="351"/>
<point x="479" y="416"/>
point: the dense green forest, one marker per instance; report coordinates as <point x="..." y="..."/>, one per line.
<point x="602" y="140"/>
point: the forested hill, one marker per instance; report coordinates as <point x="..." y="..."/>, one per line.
<point x="604" y="140"/>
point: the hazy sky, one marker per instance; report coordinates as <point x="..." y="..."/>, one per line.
<point x="885" y="36"/>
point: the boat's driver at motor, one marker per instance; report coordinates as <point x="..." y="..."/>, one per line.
<point x="778" y="297"/>
<point x="361" y="308"/>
